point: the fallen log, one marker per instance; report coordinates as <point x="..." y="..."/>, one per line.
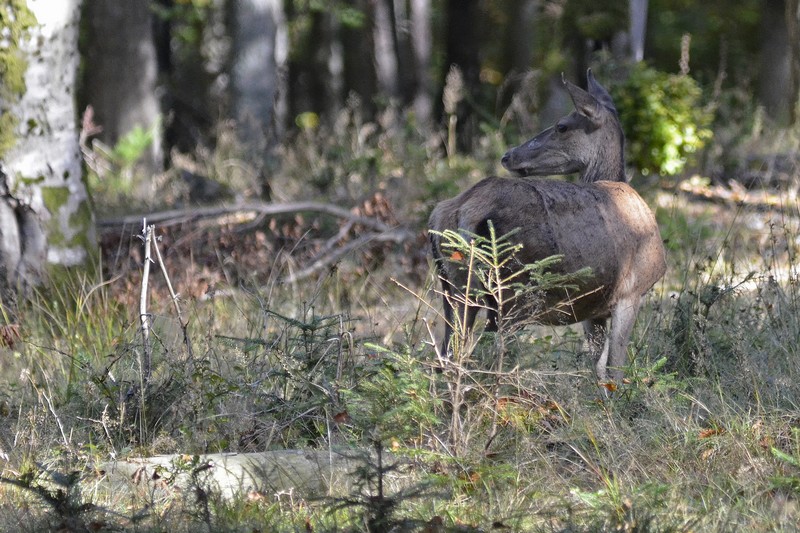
<point x="305" y="473"/>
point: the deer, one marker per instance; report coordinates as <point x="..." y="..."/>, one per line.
<point x="599" y="222"/>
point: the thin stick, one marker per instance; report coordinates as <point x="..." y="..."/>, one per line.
<point x="184" y="323"/>
<point x="144" y="317"/>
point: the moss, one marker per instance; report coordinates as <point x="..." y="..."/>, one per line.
<point x="12" y="72"/>
<point x="8" y="123"/>
<point x="54" y="198"/>
<point x="81" y="219"/>
<point x="30" y="181"/>
<point x="15" y="19"/>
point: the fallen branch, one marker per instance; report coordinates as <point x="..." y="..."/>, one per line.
<point x="374" y="230"/>
<point x="330" y="256"/>
<point x="244" y="211"/>
<point x="736" y="194"/>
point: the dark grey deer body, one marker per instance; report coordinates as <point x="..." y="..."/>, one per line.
<point x="600" y="223"/>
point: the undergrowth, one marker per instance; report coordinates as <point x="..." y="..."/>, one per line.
<point x="511" y="433"/>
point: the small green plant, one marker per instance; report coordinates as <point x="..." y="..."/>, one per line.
<point x="494" y="274"/>
<point x="113" y="171"/>
<point x="663" y="119"/>
<point x="131" y="147"/>
<point x="393" y="409"/>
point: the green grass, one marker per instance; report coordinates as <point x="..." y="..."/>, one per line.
<point x="705" y="437"/>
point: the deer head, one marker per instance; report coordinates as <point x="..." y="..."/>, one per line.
<point x="588" y="141"/>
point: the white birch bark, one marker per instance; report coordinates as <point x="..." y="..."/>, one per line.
<point x="43" y="201"/>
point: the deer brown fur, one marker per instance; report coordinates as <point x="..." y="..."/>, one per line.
<point x="599" y="222"/>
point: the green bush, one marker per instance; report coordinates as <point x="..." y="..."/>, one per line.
<point x="663" y="119"/>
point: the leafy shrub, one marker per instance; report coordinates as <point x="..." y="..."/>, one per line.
<point x="663" y="120"/>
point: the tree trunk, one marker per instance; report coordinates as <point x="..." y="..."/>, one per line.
<point x="119" y="79"/>
<point x="793" y="31"/>
<point x="518" y="47"/>
<point x="187" y="76"/>
<point x="258" y="51"/>
<point x="774" y="84"/>
<point x="463" y="51"/>
<point x="386" y="48"/>
<point x="307" y="473"/>
<point x="638" y="26"/>
<point x="311" y="87"/>
<point x="258" y="94"/>
<point x="422" y="40"/>
<point x="45" y="214"/>
<point x="358" y="44"/>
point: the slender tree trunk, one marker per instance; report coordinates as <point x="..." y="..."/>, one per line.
<point x="311" y="86"/>
<point x="793" y="31"/>
<point x="186" y="75"/>
<point x="258" y="54"/>
<point x="518" y="46"/>
<point x="638" y="26"/>
<point x="258" y="51"/>
<point x="358" y="45"/>
<point x="407" y="74"/>
<point x="120" y="71"/>
<point x="422" y="40"/>
<point x="386" y="51"/>
<point x="45" y="216"/>
<point x="463" y="51"/>
<point x="774" y="84"/>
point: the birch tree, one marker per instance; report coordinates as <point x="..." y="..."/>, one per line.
<point x="45" y="216"/>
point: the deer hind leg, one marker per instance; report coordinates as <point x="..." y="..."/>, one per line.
<point x="615" y="354"/>
<point x="447" y="307"/>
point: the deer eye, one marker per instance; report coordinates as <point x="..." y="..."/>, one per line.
<point x="561" y="128"/>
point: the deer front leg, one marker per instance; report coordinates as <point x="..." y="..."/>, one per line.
<point x="616" y="352"/>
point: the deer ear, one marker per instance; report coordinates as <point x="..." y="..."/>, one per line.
<point x="599" y="92"/>
<point x="585" y="103"/>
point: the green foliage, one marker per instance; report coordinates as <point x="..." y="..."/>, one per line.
<point x="596" y="21"/>
<point x="132" y="146"/>
<point x="722" y="31"/>
<point x="497" y="268"/>
<point x="112" y="172"/>
<point x="663" y="118"/>
<point x="395" y="400"/>
<point x="190" y="19"/>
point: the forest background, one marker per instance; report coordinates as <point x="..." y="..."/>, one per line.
<point x="287" y="154"/>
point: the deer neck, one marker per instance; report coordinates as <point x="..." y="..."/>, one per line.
<point x="610" y="167"/>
